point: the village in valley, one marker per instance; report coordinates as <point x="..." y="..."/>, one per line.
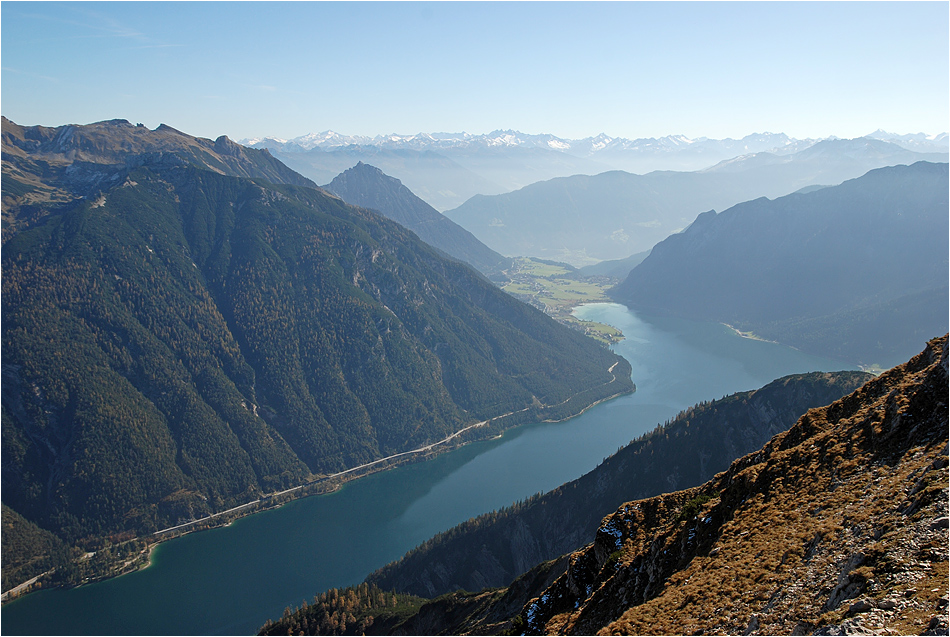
<point x="557" y="288"/>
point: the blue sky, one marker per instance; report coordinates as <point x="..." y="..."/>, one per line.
<point x="639" y="69"/>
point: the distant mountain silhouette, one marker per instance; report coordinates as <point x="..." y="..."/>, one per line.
<point x="856" y="271"/>
<point x="435" y="178"/>
<point x="581" y="219"/>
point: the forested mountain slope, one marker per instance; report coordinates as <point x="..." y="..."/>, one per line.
<point x="179" y="341"/>
<point x="836" y="526"/>
<point x="856" y="271"/>
<point x="493" y="549"/>
<point x="367" y="186"/>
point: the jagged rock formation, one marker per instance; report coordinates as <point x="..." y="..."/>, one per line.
<point x="367" y="186"/>
<point x="43" y="165"/>
<point x="493" y="549"/>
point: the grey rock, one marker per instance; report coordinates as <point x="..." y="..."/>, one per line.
<point x="937" y="626"/>
<point x="753" y="625"/>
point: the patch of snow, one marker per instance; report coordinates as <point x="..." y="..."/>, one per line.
<point x="611" y="530"/>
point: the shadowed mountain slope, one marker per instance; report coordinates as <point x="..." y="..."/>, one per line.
<point x="367" y="186"/>
<point x="856" y="271"/>
<point x="183" y="341"/>
<point x="493" y="549"/>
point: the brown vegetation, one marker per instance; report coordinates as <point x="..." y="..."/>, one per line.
<point x="837" y="525"/>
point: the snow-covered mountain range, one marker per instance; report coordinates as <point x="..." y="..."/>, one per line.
<point x="757" y="142"/>
<point x="446" y="169"/>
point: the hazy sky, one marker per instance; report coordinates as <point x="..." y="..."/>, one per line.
<point x="637" y="69"/>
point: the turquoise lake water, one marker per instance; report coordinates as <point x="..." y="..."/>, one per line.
<point x="231" y="580"/>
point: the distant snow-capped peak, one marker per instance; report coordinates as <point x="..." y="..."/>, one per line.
<point x="778" y="143"/>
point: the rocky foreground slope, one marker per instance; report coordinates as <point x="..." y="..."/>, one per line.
<point x="837" y="526"/>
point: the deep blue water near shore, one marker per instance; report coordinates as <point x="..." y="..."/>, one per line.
<point x="231" y="580"/>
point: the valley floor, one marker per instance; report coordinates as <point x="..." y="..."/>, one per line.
<point x="556" y="291"/>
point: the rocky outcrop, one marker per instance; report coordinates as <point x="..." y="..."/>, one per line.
<point x="834" y="527"/>
<point x="47" y="167"/>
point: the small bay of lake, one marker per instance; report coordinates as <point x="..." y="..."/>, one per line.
<point x="231" y="580"/>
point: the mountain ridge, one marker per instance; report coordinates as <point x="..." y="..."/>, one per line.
<point x="367" y="186"/>
<point x="44" y="166"/>
<point x="635" y="212"/>
<point x="177" y="341"/>
<point x="447" y="169"/>
<point x="754" y="142"/>
<point x="856" y="270"/>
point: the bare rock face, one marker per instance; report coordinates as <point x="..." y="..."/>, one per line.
<point x="837" y="526"/>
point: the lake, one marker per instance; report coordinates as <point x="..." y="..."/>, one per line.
<point x="231" y="580"/>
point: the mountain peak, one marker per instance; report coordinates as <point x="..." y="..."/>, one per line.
<point x="369" y="187"/>
<point x="87" y="157"/>
<point x="165" y="128"/>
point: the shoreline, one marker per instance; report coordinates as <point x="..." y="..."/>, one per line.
<point x="320" y="485"/>
<point x="749" y="335"/>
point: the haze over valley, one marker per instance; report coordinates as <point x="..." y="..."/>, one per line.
<point x="651" y="338"/>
